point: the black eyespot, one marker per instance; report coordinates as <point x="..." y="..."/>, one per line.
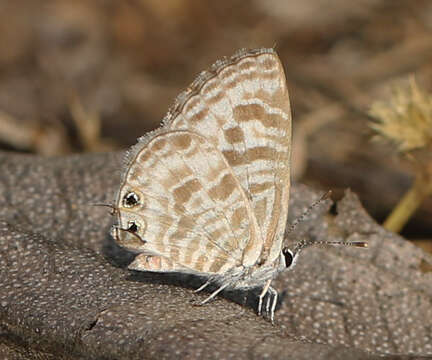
<point x="289" y="257"/>
<point x="132" y="227"/>
<point x="130" y="199"/>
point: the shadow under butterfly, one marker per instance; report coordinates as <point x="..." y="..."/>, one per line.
<point x="207" y="193"/>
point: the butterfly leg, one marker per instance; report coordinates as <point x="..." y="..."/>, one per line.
<point x="261" y="296"/>
<point x="272" y="294"/>
<point x="202" y="287"/>
<point x="269" y="298"/>
<point x="214" y="293"/>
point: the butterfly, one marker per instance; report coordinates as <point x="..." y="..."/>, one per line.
<point x="207" y="192"/>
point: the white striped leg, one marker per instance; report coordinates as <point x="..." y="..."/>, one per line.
<point x="261" y="296"/>
<point x="270" y="311"/>
<point x="214" y="293"/>
<point x="202" y="287"/>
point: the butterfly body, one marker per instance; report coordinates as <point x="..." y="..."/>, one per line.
<point x="207" y="193"/>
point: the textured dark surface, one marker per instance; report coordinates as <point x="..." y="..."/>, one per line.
<point x="64" y="295"/>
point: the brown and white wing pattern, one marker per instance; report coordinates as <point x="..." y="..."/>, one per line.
<point x="181" y="206"/>
<point x="242" y="107"/>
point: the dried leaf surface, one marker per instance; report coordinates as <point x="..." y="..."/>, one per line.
<point x="63" y="295"/>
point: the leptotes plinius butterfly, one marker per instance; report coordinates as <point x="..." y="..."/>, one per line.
<point x="207" y="192"/>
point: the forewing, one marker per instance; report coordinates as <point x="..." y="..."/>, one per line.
<point x="242" y="107"/>
<point x="190" y="207"/>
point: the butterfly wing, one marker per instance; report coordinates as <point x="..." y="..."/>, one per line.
<point x="242" y="107"/>
<point x="181" y="202"/>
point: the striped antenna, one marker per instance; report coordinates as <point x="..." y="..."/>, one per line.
<point x="304" y="243"/>
<point x="307" y="212"/>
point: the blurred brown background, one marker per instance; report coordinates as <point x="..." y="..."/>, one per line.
<point x="89" y="75"/>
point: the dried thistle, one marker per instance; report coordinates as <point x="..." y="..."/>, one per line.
<point x="406" y="121"/>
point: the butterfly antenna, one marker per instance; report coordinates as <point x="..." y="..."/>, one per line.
<point x="304" y="243"/>
<point x="307" y="212"/>
<point x="113" y="208"/>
